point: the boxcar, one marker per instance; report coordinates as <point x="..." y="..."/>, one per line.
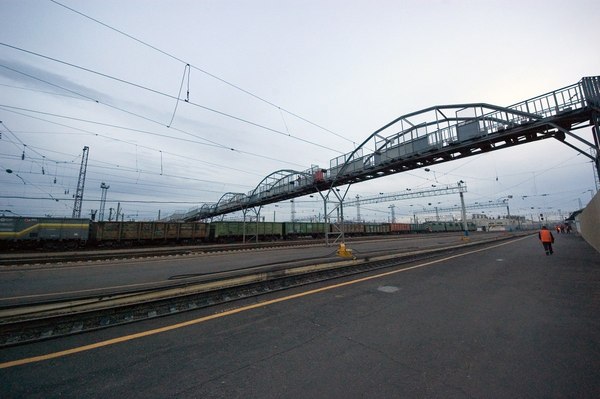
<point x="18" y="232"/>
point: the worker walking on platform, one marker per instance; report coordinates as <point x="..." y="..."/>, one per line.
<point x="547" y="239"/>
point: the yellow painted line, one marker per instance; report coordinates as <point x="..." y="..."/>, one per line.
<point x="188" y="323"/>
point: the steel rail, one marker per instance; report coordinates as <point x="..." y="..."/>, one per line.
<point x="25" y="325"/>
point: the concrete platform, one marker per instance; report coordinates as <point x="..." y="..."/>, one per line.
<point x="502" y="322"/>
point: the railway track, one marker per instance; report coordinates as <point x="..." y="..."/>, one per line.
<point x="60" y="317"/>
<point x="34" y="258"/>
<point x="103" y="254"/>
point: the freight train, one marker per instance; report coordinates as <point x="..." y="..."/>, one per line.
<point x="69" y="233"/>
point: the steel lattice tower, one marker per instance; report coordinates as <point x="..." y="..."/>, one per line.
<point x="104" y="188"/>
<point x="80" y="184"/>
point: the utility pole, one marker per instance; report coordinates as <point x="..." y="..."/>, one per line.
<point x="393" y="208"/>
<point x="293" y="211"/>
<point x="80" y="184"/>
<point x="463" y="211"/>
<point x="358" y="219"/>
<point x="104" y="188"/>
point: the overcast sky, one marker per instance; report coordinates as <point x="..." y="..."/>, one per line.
<point x="274" y="85"/>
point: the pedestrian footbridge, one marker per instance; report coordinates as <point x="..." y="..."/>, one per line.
<point x="431" y="136"/>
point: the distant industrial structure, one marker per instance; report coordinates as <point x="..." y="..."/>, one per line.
<point x="80" y="184"/>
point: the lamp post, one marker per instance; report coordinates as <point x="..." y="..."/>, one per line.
<point x="415" y="213"/>
<point x="463" y="211"/>
<point x="505" y="201"/>
<point x="434" y="175"/>
<point x="9" y="171"/>
<point x="104" y="188"/>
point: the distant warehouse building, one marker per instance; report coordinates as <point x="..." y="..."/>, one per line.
<point x="486" y="223"/>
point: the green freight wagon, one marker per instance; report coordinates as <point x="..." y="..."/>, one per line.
<point x="304" y="229"/>
<point x="127" y="233"/>
<point x="195" y="231"/>
<point x="237" y="231"/>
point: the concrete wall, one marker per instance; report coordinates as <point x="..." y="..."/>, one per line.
<point x="589" y="222"/>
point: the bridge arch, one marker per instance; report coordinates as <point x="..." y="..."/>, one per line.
<point x="279" y="182"/>
<point x="430" y="127"/>
<point x="439" y="134"/>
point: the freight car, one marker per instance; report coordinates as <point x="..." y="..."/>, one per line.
<point x="437" y="227"/>
<point x="26" y="232"/>
<point x="350" y="229"/>
<point x="292" y="230"/>
<point x="377" y="229"/>
<point x="237" y="231"/>
<point x="64" y="233"/>
<point x="400" y="228"/>
<point x="113" y="234"/>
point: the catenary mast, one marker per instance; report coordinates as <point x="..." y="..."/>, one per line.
<point x="80" y="184"/>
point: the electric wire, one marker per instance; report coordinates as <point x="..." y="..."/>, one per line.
<point x="201" y="70"/>
<point x="225" y="114"/>
<point x="187" y="68"/>
<point x="10" y="108"/>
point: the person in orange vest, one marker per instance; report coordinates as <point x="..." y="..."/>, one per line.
<point x="547" y="239"/>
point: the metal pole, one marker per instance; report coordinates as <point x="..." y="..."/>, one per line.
<point x="104" y="188"/>
<point x="464" y="212"/>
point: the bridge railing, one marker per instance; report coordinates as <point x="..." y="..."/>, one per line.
<point x="477" y="122"/>
<point x="424" y="131"/>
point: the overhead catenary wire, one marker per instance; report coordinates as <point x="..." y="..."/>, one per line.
<point x="107" y="165"/>
<point x="110" y="106"/>
<point x="187" y="68"/>
<point x="225" y="114"/>
<point x="12" y="109"/>
<point x="168" y="108"/>
<point x="202" y="71"/>
<point x="42" y="165"/>
<point x="130" y="143"/>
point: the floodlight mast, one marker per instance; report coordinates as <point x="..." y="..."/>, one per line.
<point x="463" y="212"/>
<point x="80" y="184"/>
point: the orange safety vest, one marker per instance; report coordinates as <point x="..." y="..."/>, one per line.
<point x="545" y="235"/>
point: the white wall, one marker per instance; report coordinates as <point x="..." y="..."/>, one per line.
<point x="589" y="222"/>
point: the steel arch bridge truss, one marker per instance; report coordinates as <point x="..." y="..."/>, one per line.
<point x="431" y="136"/>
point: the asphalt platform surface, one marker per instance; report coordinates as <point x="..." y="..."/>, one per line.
<point x="500" y="322"/>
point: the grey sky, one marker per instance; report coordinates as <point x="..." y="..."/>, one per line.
<point x="347" y="66"/>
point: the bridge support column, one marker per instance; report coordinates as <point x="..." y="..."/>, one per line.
<point x="596" y="134"/>
<point x="338" y="207"/>
<point x="256" y="211"/>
